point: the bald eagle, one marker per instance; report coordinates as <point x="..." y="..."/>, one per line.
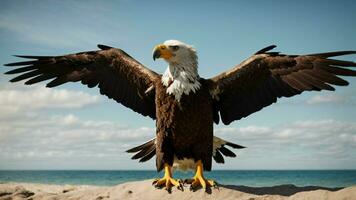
<point x="184" y="105"/>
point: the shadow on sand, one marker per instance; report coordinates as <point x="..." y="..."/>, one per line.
<point x="283" y="190"/>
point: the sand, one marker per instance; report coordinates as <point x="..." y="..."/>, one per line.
<point x="144" y="190"/>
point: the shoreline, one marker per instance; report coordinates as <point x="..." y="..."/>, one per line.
<point x="253" y="178"/>
<point x="145" y="190"/>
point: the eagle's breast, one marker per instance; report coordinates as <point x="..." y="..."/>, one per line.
<point x="180" y="80"/>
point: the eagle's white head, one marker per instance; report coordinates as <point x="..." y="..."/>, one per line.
<point x="176" y="52"/>
<point x="181" y="76"/>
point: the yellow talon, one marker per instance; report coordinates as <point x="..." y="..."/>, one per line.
<point x="199" y="179"/>
<point x="167" y="181"/>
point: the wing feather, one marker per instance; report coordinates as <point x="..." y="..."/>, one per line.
<point x="116" y="74"/>
<point x="261" y="79"/>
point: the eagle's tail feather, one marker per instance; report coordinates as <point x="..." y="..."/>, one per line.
<point x="226" y="152"/>
<point x="147" y="150"/>
<point x="235" y="146"/>
<point x="148" y="156"/>
<point x="142" y="146"/>
<point x="144" y="152"/>
<point x="219" y="149"/>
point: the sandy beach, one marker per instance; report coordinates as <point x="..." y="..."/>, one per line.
<point x="144" y="190"/>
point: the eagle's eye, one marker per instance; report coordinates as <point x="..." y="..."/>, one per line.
<point x="174" y="48"/>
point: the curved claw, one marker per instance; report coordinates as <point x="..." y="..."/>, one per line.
<point x="167" y="183"/>
<point x="200" y="180"/>
<point x="181" y="184"/>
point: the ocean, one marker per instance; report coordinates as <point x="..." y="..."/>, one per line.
<point x="255" y="178"/>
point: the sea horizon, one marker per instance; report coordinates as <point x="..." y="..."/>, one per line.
<point x="152" y="170"/>
<point x="254" y="177"/>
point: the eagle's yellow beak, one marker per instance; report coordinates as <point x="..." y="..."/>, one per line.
<point x="162" y="51"/>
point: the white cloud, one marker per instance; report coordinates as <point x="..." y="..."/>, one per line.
<point x="314" y="133"/>
<point x="301" y="144"/>
<point x="15" y="98"/>
<point x="23" y="129"/>
<point x="98" y="144"/>
<point x="343" y="96"/>
<point x="34" y="139"/>
<point x="331" y="98"/>
<point x="67" y="137"/>
<point x="40" y="140"/>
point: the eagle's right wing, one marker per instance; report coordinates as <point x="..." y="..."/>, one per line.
<point x="117" y="74"/>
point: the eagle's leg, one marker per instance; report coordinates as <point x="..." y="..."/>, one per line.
<point x="199" y="180"/>
<point x="168" y="181"/>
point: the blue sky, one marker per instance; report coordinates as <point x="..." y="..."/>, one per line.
<point x="314" y="130"/>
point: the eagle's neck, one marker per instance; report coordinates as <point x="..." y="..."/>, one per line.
<point x="181" y="78"/>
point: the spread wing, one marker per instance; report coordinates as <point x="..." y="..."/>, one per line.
<point x="117" y="75"/>
<point x="261" y="79"/>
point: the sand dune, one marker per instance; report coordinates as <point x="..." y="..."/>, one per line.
<point x="144" y="190"/>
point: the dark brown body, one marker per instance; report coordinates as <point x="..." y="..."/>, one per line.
<point x="184" y="128"/>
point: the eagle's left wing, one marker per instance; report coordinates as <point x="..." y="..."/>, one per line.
<point x="261" y="79"/>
